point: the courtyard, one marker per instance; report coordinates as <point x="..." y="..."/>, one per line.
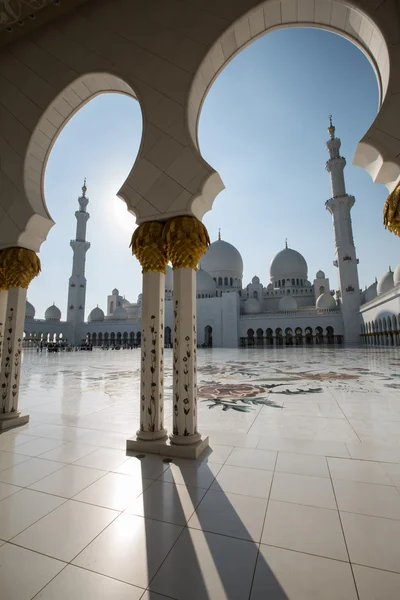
<point x="297" y="498"/>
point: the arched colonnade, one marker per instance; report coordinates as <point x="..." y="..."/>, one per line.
<point x="290" y="337"/>
<point x="115" y="46"/>
<point x="383" y="331"/>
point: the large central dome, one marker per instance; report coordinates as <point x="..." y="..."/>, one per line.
<point x="222" y="257"/>
<point x="288" y="263"/>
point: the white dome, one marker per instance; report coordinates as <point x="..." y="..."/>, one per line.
<point x="125" y="303"/>
<point x="371" y="292"/>
<point x="320" y="275"/>
<point x="222" y="257"/>
<point x="287" y="303"/>
<point x="255" y="280"/>
<point x="286" y="264"/>
<point x="120" y="313"/>
<point x="133" y="311"/>
<point x="385" y="283"/>
<point x="251" y="306"/>
<point x="325" y="300"/>
<point x="205" y="284"/>
<point x="29" y="310"/>
<point x="96" y="315"/>
<point x="169" y="279"/>
<point x="115" y="292"/>
<point x="53" y="313"/>
<point x="396" y="275"/>
<point x="139" y="299"/>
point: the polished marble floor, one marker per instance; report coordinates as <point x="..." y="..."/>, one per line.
<point x="298" y="497"/>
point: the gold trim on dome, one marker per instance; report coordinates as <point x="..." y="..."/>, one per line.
<point x="391" y="212"/>
<point x="18" y="266"/>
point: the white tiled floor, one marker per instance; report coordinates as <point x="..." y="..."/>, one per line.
<point x="288" y="504"/>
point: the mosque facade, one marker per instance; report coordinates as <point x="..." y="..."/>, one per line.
<point x="288" y="310"/>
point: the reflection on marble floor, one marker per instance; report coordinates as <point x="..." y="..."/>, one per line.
<point x="319" y="394"/>
<point x="298" y="497"/>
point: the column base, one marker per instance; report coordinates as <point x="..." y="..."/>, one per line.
<point x="185" y="440"/>
<point x="151" y="436"/>
<point x="166" y="448"/>
<point x="11" y="420"/>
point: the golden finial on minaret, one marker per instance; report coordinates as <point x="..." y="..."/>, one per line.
<point x="84" y="188"/>
<point x="219" y="233"/>
<point x="331" y="128"/>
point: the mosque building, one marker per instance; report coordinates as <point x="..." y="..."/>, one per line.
<point x="287" y="310"/>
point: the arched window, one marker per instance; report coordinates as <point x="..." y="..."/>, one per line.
<point x="225" y="281"/>
<point x="297" y="281"/>
<point x="219" y="280"/>
<point x="112" y="306"/>
<point x="321" y="289"/>
<point x="208" y="336"/>
<point x="330" y="335"/>
<point x="255" y="295"/>
<point x="283" y="283"/>
<point x="231" y="281"/>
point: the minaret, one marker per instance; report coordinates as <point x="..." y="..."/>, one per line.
<point x="77" y="281"/>
<point x="340" y="206"/>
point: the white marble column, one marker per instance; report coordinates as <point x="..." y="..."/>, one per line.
<point x="152" y="358"/>
<point x="3" y="307"/>
<point x="11" y="359"/>
<point x="184" y="359"/>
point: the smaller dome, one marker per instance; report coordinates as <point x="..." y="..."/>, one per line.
<point x="115" y="292"/>
<point x="320" y="275"/>
<point x="96" y="315"/>
<point x="120" y="313"/>
<point x="396" y="275"/>
<point x="125" y="303"/>
<point x="29" y="310"/>
<point x="385" y="283"/>
<point x="287" y="303"/>
<point x="270" y="286"/>
<point x="251" y="306"/>
<point x="325" y="300"/>
<point x="371" y="292"/>
<point x="255" y="280"/>
<point x="139" y="299"/>
<point x="169" y="279"/>
<point x="133" y="310"/>
<point x="53" y="313"/>
<point x="205" y="284"/>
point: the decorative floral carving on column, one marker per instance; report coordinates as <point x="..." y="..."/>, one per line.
<point x="149" y="247"/>
<point x="187" y="240"/>
<point x="391" y="212"/>
<point x="18" y="266"/>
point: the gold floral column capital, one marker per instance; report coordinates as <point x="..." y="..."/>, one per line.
<point x="149" y="247"/>
<point x="391" y="212"/>
<point x="187" y="240"/>
<point x="18" y="266"/>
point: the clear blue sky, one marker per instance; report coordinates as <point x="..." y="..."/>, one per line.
<point x="263" y="127"/>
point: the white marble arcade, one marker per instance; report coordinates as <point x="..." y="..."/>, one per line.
<point x="300" y="490"/>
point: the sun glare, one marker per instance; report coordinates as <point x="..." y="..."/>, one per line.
<point x="124" y="219"/>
